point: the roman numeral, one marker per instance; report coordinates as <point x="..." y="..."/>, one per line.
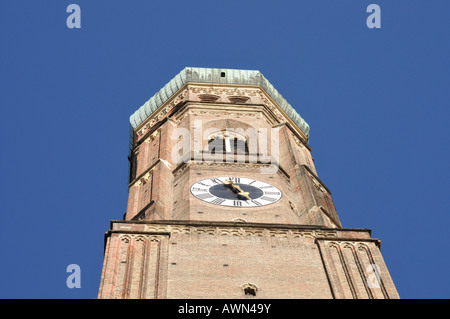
<point x="203" y="184"/>
<point x="256" y="202"/>
<point x="237" y="203"/>
<point x="216" y="181"/>
<point x="269" y="199"/>
<point x="272" y="193"/>
<point x="217" y="201"/>
<point x="235" y="179"/>
<point x="204" y="196"/>
<point x="199" y="189"/>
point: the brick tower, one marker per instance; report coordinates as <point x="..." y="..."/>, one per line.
<point x="225" y="202"/>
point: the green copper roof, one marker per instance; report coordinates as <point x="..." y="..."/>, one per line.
<point x="219" y="76"/>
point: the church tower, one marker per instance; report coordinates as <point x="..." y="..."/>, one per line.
<point x="225" y="202"/>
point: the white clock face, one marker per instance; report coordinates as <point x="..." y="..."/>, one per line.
<point x="235" y="192"/>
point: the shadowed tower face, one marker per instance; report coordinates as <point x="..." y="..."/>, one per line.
<point x="225" y="202"/>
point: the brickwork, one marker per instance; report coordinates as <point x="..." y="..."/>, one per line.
<point x="216" y="260"/>
<point x="154" y="152"/>
<point x="171" y="244"/>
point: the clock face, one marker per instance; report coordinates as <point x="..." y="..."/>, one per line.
<point x="235" y="192"/>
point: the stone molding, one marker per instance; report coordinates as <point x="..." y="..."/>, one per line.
<point x="241" y="231"/>
<point x="207" y="93"/>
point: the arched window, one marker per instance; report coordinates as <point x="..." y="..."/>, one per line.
<point x="227" y="142"/>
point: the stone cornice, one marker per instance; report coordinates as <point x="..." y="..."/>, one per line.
<point x="197" y="223"/>
<point x="251" y="99"/>
<point x="216" y="77"/>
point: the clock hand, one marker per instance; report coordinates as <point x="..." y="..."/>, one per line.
<point x="237" y="188"/>
<point x="241" y="192"/>
<point x="244" y="194"/>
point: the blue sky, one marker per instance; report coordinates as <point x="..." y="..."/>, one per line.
<point x="377" y="102"/>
